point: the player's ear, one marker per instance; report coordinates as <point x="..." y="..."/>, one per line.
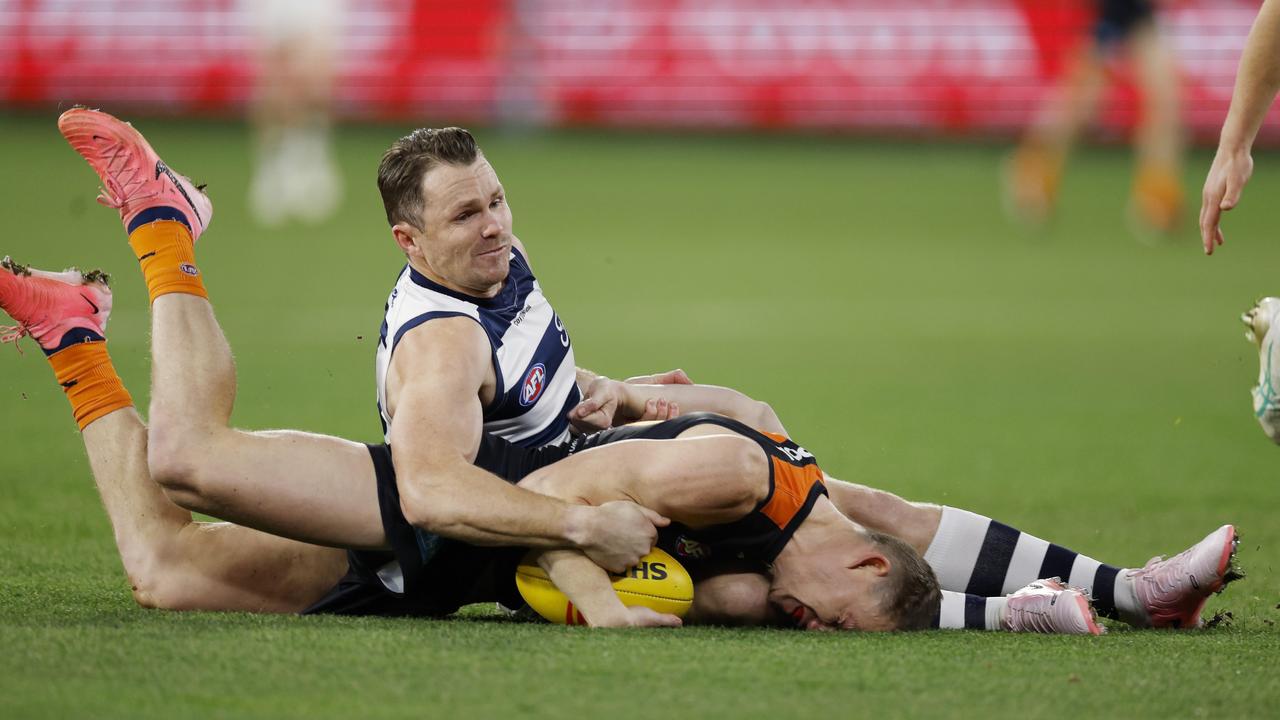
<point x="873" y="561"/>
<point x="406" y="236"/>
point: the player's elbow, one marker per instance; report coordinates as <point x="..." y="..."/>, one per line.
<point x="749" y="462"/>
<point x="742" y="471"/>
<point x="430" y="509"/>
<point x="761" y="416"/>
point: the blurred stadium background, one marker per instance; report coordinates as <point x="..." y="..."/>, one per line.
<point x="798" y="199"/>
<point x="935" y="66"/>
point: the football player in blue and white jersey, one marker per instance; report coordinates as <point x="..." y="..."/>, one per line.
<point x="470" y="344"/>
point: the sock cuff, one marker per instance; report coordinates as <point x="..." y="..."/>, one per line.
<point x="157" y="214"/>
<point x="167" y="256"/>
<point x="90" y="381"/>
<point x="961" y="611"/>
<point x="995" y="619"/>
<point x="74" y="336"/>
<point x="107" y="395"/>
<point x="147" y="239"/>
<point x="73" y="362"/>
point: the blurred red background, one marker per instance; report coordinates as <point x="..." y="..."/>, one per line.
<point x="954" y="66"/>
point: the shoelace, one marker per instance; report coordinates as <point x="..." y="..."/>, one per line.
<point x="1165" y="575"/>
<point x="1039" y="617"/>
<point x="14" y="333"/>
<point x="1033" y="619"/>
<point x="122" y="179"/>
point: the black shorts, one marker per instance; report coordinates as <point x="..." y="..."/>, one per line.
<point x="438" y="575"/>
<point x="1117" y="19"/>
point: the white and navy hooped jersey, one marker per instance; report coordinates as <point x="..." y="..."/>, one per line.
<point x="532" y="357"/>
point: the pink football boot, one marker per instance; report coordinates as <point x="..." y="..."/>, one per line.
<point x="57" y="309"/>
<point x="1051" y="606"/>
<point x="1173" y="592"/>
<point x="134" y="178"/>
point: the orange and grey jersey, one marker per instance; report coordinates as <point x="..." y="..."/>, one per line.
<point x="795" y="484"/>
<point x="531" y="353"/>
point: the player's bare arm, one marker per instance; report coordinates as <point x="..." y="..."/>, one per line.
<point x="1257" y="82"/>
<point x="706" y="477"/>
<point x="660" y="397"/>
<point x="879" y="510"/>
<point x="915" y="522"/>
<point x="640" y="399"/>
<point x="592" y="593"/>
<point x="439" y="379"/>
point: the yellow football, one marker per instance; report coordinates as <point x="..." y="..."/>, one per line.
<point x="659" y="582"/>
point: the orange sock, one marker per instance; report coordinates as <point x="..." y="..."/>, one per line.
<point x="168" y="258"/>
<point x="86" y="374"/>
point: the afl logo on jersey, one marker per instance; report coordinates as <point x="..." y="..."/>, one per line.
<point x="534" y="383"/>
<point x="688" y="548"/>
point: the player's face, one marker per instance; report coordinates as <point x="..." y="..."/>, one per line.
<point x="465" y="243"/>
<point x="836" y="588"/>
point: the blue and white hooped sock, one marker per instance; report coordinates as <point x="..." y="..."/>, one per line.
<point x="959" y="611"/>
<point x="976" y="555"/>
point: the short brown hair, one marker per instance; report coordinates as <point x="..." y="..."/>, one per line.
<point x="410" y="158"/>
<point x="910" y="597"/>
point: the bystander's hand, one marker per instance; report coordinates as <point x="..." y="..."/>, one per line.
<point x="1230" y="171"/>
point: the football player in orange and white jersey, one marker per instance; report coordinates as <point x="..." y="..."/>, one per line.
<point x="751" y="522"/>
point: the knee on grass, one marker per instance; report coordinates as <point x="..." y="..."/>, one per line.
<point x="156" y="580"/>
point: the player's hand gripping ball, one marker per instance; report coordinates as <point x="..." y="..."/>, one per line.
<point x="658" y="582"/>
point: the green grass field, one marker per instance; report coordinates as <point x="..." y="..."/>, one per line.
<point x="1073" y="383"/>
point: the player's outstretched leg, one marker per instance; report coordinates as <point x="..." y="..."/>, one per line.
<point x="1259" y="321"/>
<point x="171" y="561"/>
<point x="306" y="487"/>
<point x="980" y="556"/>
<point x="987" y="560"/>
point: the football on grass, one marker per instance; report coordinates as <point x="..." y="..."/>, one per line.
<point x="658" y="582"/>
